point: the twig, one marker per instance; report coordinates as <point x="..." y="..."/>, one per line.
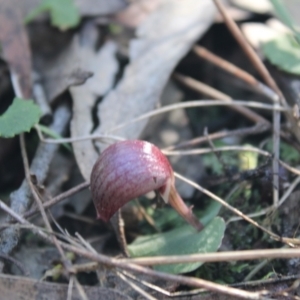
<point x="66" y="262"/>
<point x="209" y="91"/>
<point x="102" y="137"/>
<point x="16" y="262"/>
<point x="260" y="67"/>
<point x="231" y="148"/>
<point x="270" y="208"/>
<point x="190" y="281"/>
<point x="80" y="289"/>
<point x="70" y="288"/>
<point x="236" y="71"/>
<point x="228" y="206"/>
<point x="57" y="199"/>
<point x="135" y="287"/>
<point x="256" y="129"/>
<point x="200" y="103"/>
<point x="20" y="199"/>
<point x="253" y="57"/>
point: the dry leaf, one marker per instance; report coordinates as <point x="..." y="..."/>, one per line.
<point x="163" y="39"/>
<point x="104" y="66"/>
<point x="63" y="71"/>
<point x="15" y="47"/>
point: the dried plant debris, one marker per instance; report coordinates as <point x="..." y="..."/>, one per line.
<point x="15" y="51"/>
<point x="162" y="40"/>
<point x="97" y="66"/>
<point x="14" y="287"/>
<point x="103" y="65"/>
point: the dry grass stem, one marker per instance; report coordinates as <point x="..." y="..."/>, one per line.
<point x="236" y="71"/>
<point x="209" y="91"/>
<point x="270" y="208"/>
<point x="66" y="262"/>
<point x="201" y="103"/>
<point x="258" y="128"/>
<point x="135" y="287"/>
<point x="105" y="260"/>
<point x="57" y="199"/>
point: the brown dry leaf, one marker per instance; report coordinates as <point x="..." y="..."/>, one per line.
<point x="104" y="66"/>
<point x="15" y="47"/>
<point x="15" y="287"/>
<point x="63" y="71"/>
<point x="163" y="39"/>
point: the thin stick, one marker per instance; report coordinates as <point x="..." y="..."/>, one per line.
<point x="260" y="67"/>
<point x="281" y="253"/>
<point x="228" y="206"/>
<point x="67" y="263"/>
<point x="101" y="137"/>
<point x="80" y="289"/>
<point x="271" y="208"/>
<point x="236" y="71"/>
<point x="230" y="148"/>
<point x="190" y="281"/>
<point x="209" y="91"/>
<point x="57" y="199"/>
<point x="253" y="57"/>
<point x="16" y="262"/>
<point x="135" y="287"/>
<point x="70" y="288"/>
<point x="258" y="128"/>
<point x="200" y="103"/>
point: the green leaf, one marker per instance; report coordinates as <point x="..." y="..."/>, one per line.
<point x="19" y="117"/>
<point x="63" y="13"/>
<point x="181" y="241"/>
<point x="284" y="52"/>
<point x="285" y="16"/>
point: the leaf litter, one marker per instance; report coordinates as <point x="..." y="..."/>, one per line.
<point x="87" y="71"/>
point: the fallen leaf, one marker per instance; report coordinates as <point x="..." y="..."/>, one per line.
<point x="104" y="66"/>
<point x="64" y="71"/>
<point x="162" y="40"/>
<point x="15" y="47"/>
